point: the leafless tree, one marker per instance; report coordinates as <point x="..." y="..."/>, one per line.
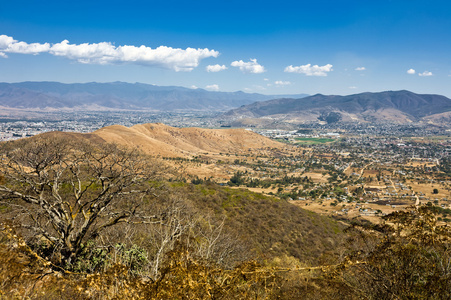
<point x="65" y="192"/>
<point x="214" y="243"/>
<point x="176" y="221"/>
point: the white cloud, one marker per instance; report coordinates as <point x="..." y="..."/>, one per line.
<point x="5" y="41"/>
<point x="10" y="45"/>
<point x="249" y="67"/>
<point x="425" y="73"/>
<point x="106" y="53"/>
<point x="194" y="87"/>
<point x="353" y="87"/>
<point x="282" y="83"/>
<point x="215" y="68"/>
<point x="310" y="70"/>
<point x="360" y="69"/>
<point x="265" y="79"/>
<point x="411" y="71"/>
<point x="212" y="87"/>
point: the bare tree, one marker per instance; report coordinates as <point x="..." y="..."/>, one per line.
<point x="66" y="192"/>
<point x="214" y="243"/>
<point x="176" y="220"/>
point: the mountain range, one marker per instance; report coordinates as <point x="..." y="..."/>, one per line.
<point x="390" y="106"/>
<point x="121" y="95"/>
<point x="240" y="109"/>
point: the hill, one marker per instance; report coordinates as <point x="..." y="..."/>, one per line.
<point x="270" y="226"/>
<point x="260" y="226"/>
<point x="389" y="106"/>
<point x="120" y="216"/>
<point x="160" y="139"/>
<point x="120" y="95"/>
<point x="176" y="144"/>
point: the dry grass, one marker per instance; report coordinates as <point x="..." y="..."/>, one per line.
<point x="159" y="139"/>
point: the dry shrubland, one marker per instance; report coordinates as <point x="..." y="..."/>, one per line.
<point x="83" y="221"/>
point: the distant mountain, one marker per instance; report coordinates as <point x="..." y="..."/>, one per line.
<point x="392" y="106"/>
<point x="121" y="95"/>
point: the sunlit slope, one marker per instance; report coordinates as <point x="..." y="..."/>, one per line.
<point x="389" y="106"/>
<point x="160" y="139"/>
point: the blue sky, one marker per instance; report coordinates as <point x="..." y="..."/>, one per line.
<point x="270" y="47"/>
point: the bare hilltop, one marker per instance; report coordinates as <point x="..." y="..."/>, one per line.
<point x="158" y="139"/>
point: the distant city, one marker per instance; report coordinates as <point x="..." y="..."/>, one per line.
<point x="84" y="122"/>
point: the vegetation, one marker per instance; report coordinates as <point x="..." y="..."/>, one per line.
<point x="64" y="194"/>
<point x="406" y="258"/>
<point x="314" y="140"/>
<point x="81" y="220"/>
<point x="331" y="118"/>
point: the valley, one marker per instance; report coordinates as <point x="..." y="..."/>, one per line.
<point x="358" y="177"/>
<point x="338" y="172"/>
<point x="170" y="203"/>
<point x="225" y="150"/>
<point x="289" y="209"/>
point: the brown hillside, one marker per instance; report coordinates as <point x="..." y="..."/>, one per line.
<point x="76" y="136"/>
<point x="160" y="139"/>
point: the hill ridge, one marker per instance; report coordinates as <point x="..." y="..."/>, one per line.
<point x="161" y="139"/>
<point x="393" y="106"/>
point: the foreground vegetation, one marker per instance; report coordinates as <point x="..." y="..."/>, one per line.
<point x="81" y="220"/>
<point x="409" y="260"/>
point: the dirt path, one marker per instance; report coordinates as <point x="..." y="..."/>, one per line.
<point x="363" y="169"/>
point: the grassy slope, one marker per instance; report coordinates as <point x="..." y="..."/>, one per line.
<point x="272" y="226"/>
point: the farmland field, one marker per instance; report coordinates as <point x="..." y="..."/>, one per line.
<point x="314" y="140"/>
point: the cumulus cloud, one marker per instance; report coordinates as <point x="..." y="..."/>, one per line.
<point x="212" y="87"/>
<point x="411" y="71"/>
<point x="425" y="73"/>
<point x="282" y="83"/>
<point x="5" y="41"/>
<point x="310" y="70"/>
<point x="9" y="45"/>
<point x="215" y="68"/>
<point x="249" y="67"/>
<point x="106" y="53"/>
<point x="360" y="69"/>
